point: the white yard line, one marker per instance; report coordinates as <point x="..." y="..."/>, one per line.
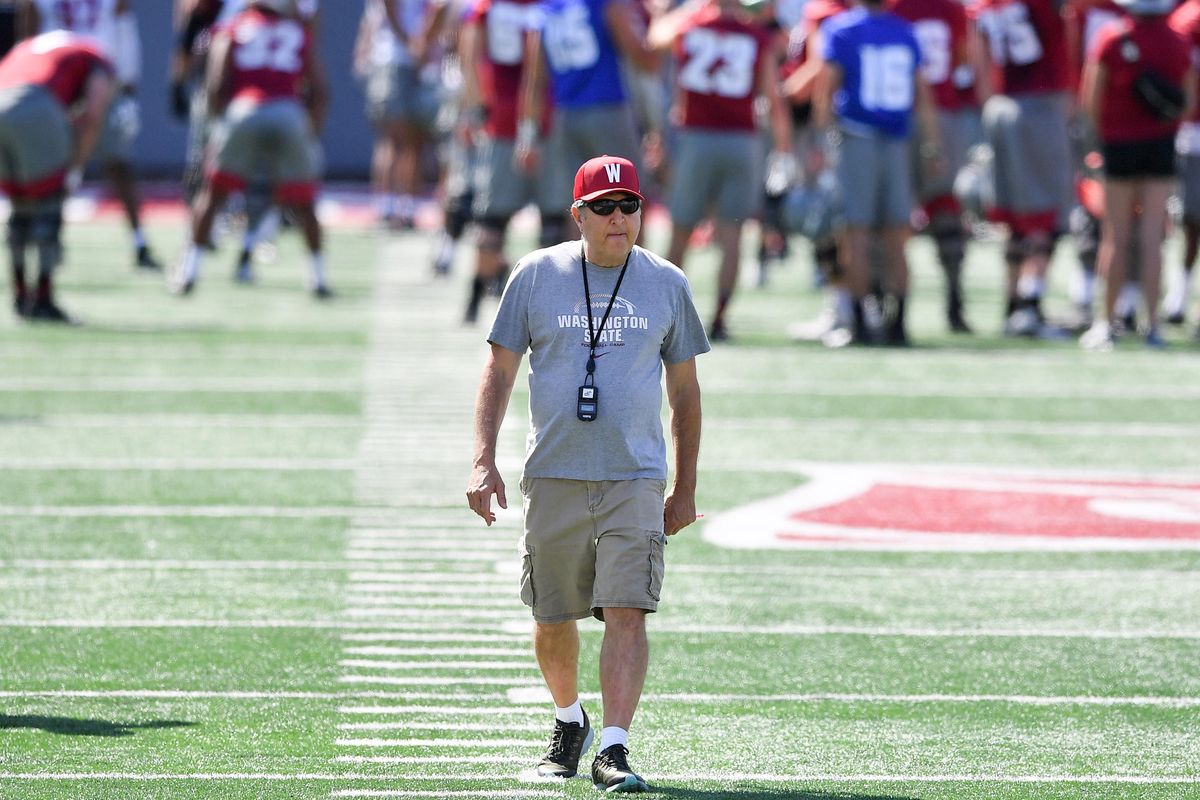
<point x="431" y="743"/>
<point x="83" y="464"/>
<point x="437" y="651"/>
<point x="428" y="680"/>
<point x="475" y="710"/>
<point x="460" y="623"/>
<point x="180" y="384"/>
<point x="171" y="694"/>
<point x="467" y="794"/>
<point x="434" y="637"/>
<point x="842" y="425"/>
<point x="437" y="666"/>
<point x="185" y="421"/>
<point x="409" y="725"/>
<point x="431" y="600"/>
<point x="281" y="512"/>
<point x="1016" y="390"/>
<point x="688" y="777"/>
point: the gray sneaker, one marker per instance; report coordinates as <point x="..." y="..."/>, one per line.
<point x="569" y="741"/>
<point x="611" y="772"/>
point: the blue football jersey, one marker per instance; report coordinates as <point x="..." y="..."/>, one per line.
<point x="583" y="60"/>
<point x="879" y="57"/>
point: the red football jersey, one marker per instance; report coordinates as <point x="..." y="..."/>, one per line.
<point x="717" y="62"/>
<point x="503" y="24"/>
<point x="941" y="29"/>
<point x="1026" y="41"/>
<point x="1126" y="50"/>
<point x="59" y="61"/>
<point x="1185" y="20"/>
<point x="1084" y="19"/>
<point x="268" y="55"/>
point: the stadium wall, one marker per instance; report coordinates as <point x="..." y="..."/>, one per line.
<point x="347" y="138"/>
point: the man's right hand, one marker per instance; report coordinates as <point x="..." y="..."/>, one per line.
<point x="484" y="482"/>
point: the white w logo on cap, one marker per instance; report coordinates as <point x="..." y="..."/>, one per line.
<point x="614" y="172"/>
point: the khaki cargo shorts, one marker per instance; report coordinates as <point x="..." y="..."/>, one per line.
<point x="591" y="545"/>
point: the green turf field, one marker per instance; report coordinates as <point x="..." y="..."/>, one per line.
<point x="235" y="560"/>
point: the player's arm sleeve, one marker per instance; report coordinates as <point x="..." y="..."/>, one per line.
<point x="510" y="330"/>
<point x="685" y="338"/>
<point x="127" y="55"/>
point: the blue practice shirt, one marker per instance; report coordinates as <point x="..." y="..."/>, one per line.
<point x="583" y="60"/>
<point x="879" y="57"/>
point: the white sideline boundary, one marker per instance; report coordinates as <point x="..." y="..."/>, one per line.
<point x="521" y="625"/>
<point x="667" y="698"/>
<point x="815" y="777"/>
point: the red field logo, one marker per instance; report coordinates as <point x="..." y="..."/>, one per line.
<point x="947" y="508"/>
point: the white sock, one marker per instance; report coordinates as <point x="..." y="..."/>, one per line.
<point x="1084" y="288"/>
<point x="1030" y="287"/>
<point x="316" y="270"/>
<point x="139" y="240"/>
<point x="405" y="206"/>
<point x="268" y="226"/>
<point x="189" y="265"/>
<point x="1177" y="295"/>
<point x="1127" y="300"/>
<point x="572" y="713"/>
<point x="613" y="735"/>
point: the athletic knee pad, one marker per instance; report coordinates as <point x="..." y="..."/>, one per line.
<point x="458" y="214"/>
<point x="825" y="252"/>
<point x="489" y="233"/>
<point x="553" y="225"/>
<point x="950" y="242"/>
<point x="1014" y="251"/>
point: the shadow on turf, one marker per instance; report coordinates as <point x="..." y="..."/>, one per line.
<point x="754" y="793"/>
<point x="68" y="726"/>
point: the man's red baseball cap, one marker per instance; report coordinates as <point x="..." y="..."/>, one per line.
<point x="606" y="174"/>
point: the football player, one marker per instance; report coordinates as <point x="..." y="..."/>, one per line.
<point x="266" y="83"/>
<point x="114" y="24"/>
<point x="54" y="93"/>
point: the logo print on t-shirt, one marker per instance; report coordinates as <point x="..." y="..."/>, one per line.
<point x="624" y="318"/>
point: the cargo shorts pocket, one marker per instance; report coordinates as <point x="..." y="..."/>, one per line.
<point x="527" y="595"/>
<point x="657" y="565"/>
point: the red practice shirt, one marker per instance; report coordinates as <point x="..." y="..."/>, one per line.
<point x="503" y="24"/>
<point x="716" y="80"/>
<point x="1126" y="49"/>
<point x="268" y="55"/>
<point x="941" y="29"/>
<point x="1027" y="43"/>
<point x="59" y="61"/>
<point x="1185" y="20"/>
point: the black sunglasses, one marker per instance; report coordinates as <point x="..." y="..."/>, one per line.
<point x="607" y="205"/>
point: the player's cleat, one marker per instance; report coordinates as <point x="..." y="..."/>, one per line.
<point x="954" y="317"/>
<point x="146" y="260"/>
<point x="1022" y="322"/>
<point x="568" y="743"/>
<point x="21" y="305"/>
<point x="611" y="772"/>
<point x="718" y="332"/>
<point x="45" y="310"/>
<point x="182" y="286"/>
<point x="322" y="292"/>
<point x="1098" y="338"/>
<point x="1175" y="318"/>
<point x="244" y="272"/>
<point x="1155" y="340"/>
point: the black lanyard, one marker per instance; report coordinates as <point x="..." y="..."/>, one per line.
<point x="594" y="334"/>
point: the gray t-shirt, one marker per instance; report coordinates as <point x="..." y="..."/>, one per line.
<point x="653" y="320"/>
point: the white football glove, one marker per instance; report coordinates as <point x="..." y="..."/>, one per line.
<point x="781" y="172"/>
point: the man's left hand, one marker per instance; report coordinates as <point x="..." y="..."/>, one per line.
<point x="679" y="511"/>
